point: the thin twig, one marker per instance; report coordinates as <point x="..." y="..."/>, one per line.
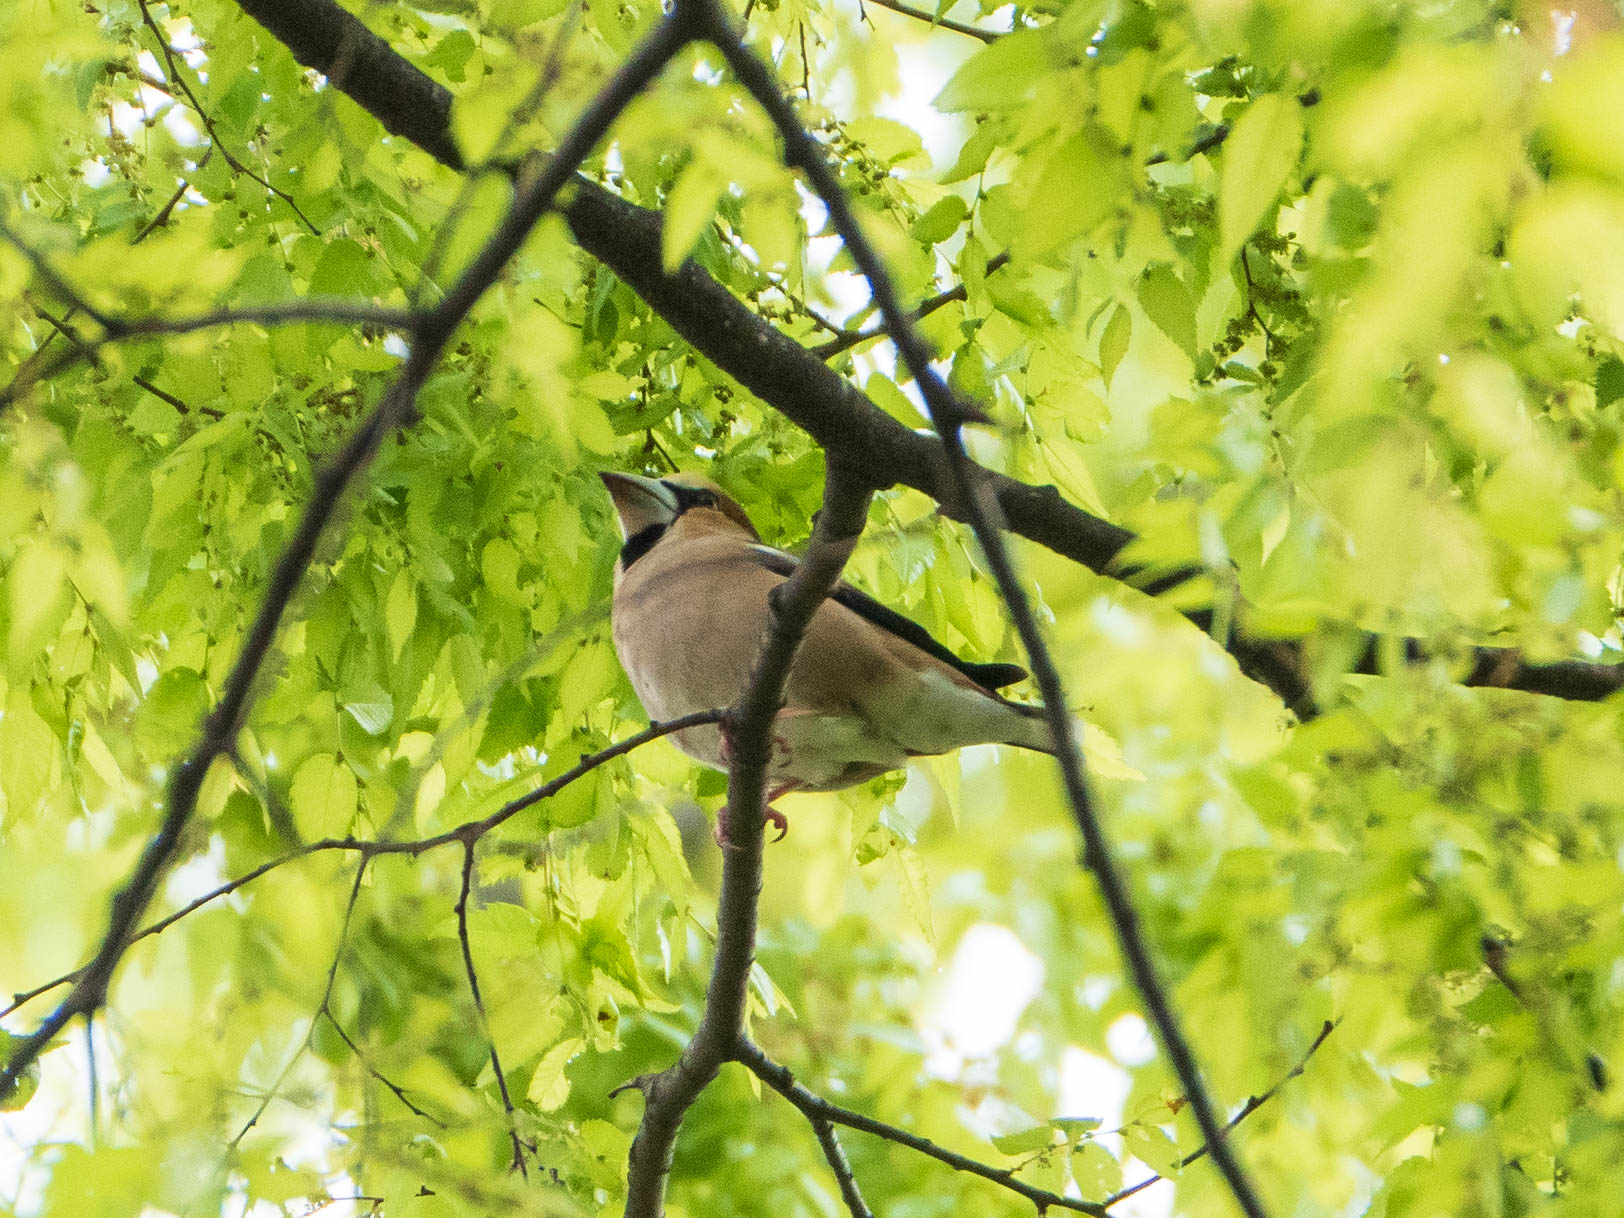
<point x="361" y="1057"/>
<point x="841" y="1166"/>
<point x="853" y="338"/>
<point x="471" y="831"/>
<point x="322" y="1008"/>
<point x="161" y="216"/>
<point x="325" y="1010"/>
<point x="479" y="1005"/>
<point x="958" y="27"/>
<point x="949" y="413"/>
<point x="1247" y="1109"/>
<point x="66" y="329"/>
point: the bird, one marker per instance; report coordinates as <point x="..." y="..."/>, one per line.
<point x="869" y="688"/>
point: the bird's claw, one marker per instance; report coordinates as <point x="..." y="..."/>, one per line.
<point x="770" y="815"/>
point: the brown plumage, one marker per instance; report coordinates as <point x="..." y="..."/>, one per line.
<point x="868" y="690"/>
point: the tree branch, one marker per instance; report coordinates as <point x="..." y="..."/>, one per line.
<point x="958" y="27"/>
<point x="850" y="1192"/>
<point x="749" y="725"/>
<point x="818" y="1111"/>
<point x="949" y="413"/>
<point x="1247" y="1109"/>
<point x="815" y="1108"/>
<point x="472" y="831"/>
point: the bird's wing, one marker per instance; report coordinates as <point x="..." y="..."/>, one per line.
<point x="991" y="677"/>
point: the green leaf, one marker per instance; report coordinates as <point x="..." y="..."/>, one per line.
<point x="372" y="708"/>
<point x="1096" y="1171"/>
<point x="972" y="158"/>
<point x="940" y="221"/>
<point x="1259" y="155"/>
<point x="344" y="269"/>
<point x="39" y="599"/>
<point x="323" y="797"/>
<point x="28" y="752"/>
<point x="1152" y="1147"/>
<point x="883" y="392"/>
<point x="1114" y="342"/>
<point x="400" y="611"/>
<point x="1025" y="1141"/>
<point x="1609" y="381"/>
<point x="1081" y="183"/>
<point x="999" y="76"/>
<point x="549" y="1085"/>
<point x="1166" y="301"/>
<point x="689" y="209"/>
<point x="27" y="1082"/>
<point x="1075" y="1127"/>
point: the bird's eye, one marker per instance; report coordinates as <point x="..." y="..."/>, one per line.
<point x="704" y="499"/>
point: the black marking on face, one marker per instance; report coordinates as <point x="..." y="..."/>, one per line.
<point x="639" y="544"/>
<point x="691" y="496"/>
<point x="687" y="497"/>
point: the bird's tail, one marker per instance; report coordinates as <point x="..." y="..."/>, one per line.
<point x="1028" y="728"/>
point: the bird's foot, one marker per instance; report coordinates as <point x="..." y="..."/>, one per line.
<point x="778" y="821"/>
<point x="770" y="814"/>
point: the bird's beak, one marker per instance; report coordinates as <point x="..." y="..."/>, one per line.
<point x="640" y="502"/>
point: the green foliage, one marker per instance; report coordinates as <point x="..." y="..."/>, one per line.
<point x="1323" y="297"/>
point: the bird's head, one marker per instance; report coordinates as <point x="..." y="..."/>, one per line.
<point x="647" y="507"/>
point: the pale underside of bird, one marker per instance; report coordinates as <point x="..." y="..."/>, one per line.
<point x="868" y="690"/>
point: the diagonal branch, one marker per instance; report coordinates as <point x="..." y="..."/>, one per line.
<point x="949" y="413"/>
<point x="533" y="199"/>
<point x="850" y="1192"/>
<point x="669" y="1094"/>
<point x="818" y="1110"/>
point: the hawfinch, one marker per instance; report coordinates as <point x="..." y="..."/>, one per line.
<point x="869" y="688"/>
